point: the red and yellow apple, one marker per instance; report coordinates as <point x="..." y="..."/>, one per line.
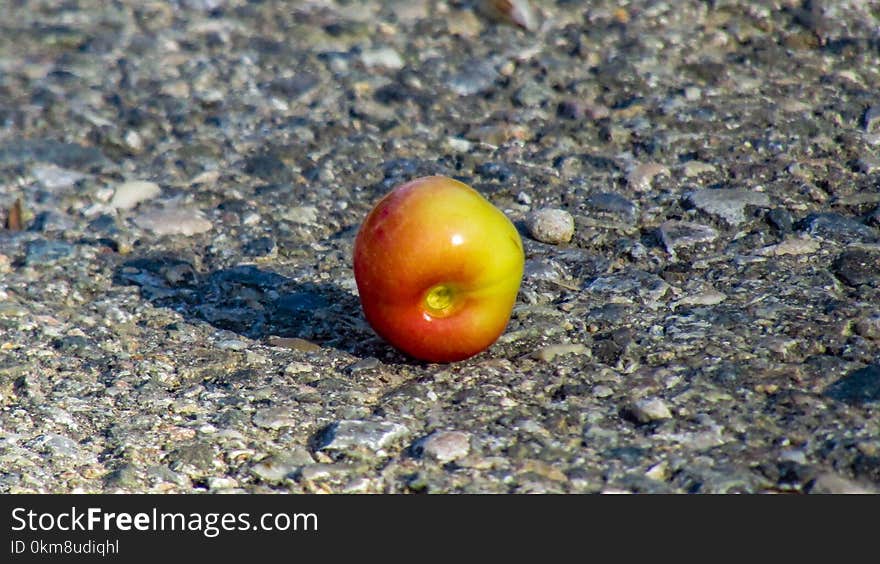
<point x="438" y="269"/>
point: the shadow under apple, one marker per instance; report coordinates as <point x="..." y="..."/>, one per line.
<point x="254" y="303"/>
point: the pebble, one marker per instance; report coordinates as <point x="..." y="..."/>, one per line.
<point x="348" y="433"/>
<point x="641" y="176"/>
<point x="195" y="457"/>
<point x="616" y="204"/>
<point x="727" y="203"/>
<point x="54" y="177"/>
<point x="324" y="471"/>
<point x="64" y="155"/>
<point x="871" y="119"/>
<point x="51" y="221"/>
<point x="130" y="194"/>
<point x="794" y="246"/>
<point x="294" y="343"/>
<point x="676" y="234"/>
<point x="708" y="298"/>
<point x="857" y="267"/>
<point x="297" y="368"/>
<point x="443" y="446"/>
<point x="868" y="164"/>
<point x="836" y="227"/>
<point x="696" y="168"/>
<point x="858" y="387"/>
<point x="458" y="144"/>
<point x="277" y="467"/>
<point x="274" y="418"/>
<point x="648" y="409"/>
<point x="268" y="166"/>
<point x="631" y="281"/>
<point x="290" y="88"/>
<point x="579" y="109"/>
<point x="174" y="221"/>
<point x="532" y="94"/>
<point x="382" y="57"/>
<point x="302" y="215"/>
<point x="780" y="219"/>
<point x="232" y="345"/>
<point x="125" y="477"/>
<point x="550" y="352"/>
<point x="869" y="327"/>
<point x="473" y="77"/>
<point x="58" y="445"/>
<point x="363" y="365"/>
<point x="550" y="225"/>
<point x="832" y="483"/>
<point x="42" y="252"/>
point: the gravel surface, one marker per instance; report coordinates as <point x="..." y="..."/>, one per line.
<point x="178" y="310"/>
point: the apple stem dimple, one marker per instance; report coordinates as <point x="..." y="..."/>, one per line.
<point x="439" y="299"/>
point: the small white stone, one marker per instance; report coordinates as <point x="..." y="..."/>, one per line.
<point x="549" y="225"/>
<point x="130" y="194"/>
<point x="458" y="144"/>
<point x="382" y="57"/>
<point x="55" y="178"/>
<point x="134" y="141"/>
<point x="445" y="446"/>
<point x="524" y="199"/>
<point x="641" y="176"/>
<point x="181" y="221"/>
<point x="550" y="352"/>
<point x="650" y="409"/>
<point x="303" y="215"/>
<point x="794" y="246"/>
<point x="696" y="168"/>
<point x="297" y="368"/>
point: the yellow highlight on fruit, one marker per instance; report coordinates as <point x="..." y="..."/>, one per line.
<point x="439" y="299"/>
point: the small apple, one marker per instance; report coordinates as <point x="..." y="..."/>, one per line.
<point x="438" y="268"/>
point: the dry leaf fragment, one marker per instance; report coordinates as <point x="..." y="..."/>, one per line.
<point x="14" y="221"/>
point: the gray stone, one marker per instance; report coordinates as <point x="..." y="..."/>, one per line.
<point x="728" y="204"/>
<point x="552" y="226"/>
<point x="125" y="477"/>
<point x="871" y="119"/>
<point x="612" y="203"/>
<point x="443" y="446"/>
<point x="832" y="483"/>
<point x="646" y="410"/>
<point x="174" y="221"/>
<point x="382" y="57"/>
<point x="54" y="177"/>
<point x="532" y="94"/>
<point x="858" y="387"/>
<point x="274" y="418"/>
<point x="630" y="281"/>
<point x="65" y="155"/>
<point x="277" y="467"/>
<point x="858" y="267"/>
<point x="837" y="228"/>
<point x="683" y="234"/>
<point x="473" y="77"/>
<point x="348" y="434"/>
<point x="42" y="252"/>
<point x="130" y="194"/>
<point x="59" y="445"/>
<point x="198" y="456"/>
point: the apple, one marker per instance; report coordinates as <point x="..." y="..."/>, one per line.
<point x="438" y="269"/>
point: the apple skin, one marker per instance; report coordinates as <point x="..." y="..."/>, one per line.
<point x="438" y="269"/>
